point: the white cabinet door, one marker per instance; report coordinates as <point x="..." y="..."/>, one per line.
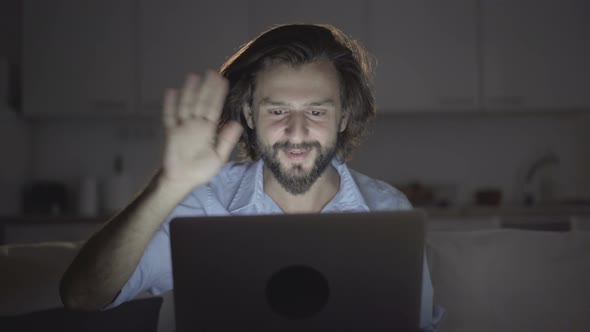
<point x="536" y="54"/>
<point x="78" y="57"/>
<point x="178" y="37"/>
<point x="346" y="15"/>
<point x="427" y="54"/>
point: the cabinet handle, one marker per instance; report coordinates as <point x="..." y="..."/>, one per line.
<point x="107" y="105"/>
<point x="506" y="101"/>
<point x="455" y="101"/>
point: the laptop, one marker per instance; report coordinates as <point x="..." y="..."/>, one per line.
<point x="298" y="272"/>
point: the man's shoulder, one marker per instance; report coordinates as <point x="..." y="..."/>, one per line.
<point x="232" y="172"/>
<point x="232" y="176"/>
<point x="379" y="194"/>
<point x="217" y="195"/>
<point x="370" y="184"/>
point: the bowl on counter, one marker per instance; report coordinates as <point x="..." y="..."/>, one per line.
<point x="488" y="197"/>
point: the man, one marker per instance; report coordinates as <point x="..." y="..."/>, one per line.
<point x="302" y="94"/>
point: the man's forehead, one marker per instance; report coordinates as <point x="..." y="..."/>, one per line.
<point x="268" y="101"/>
<point x="315" y="83"/>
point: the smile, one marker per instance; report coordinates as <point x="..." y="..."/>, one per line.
<point x="297" y="154"/>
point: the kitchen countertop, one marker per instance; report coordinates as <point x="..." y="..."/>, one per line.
<point x="47" y="220"/>
<point x="562" y="210"/>
<point x="560" y="218"/>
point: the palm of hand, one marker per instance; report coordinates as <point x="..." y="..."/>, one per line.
<point x="194" y="151"/>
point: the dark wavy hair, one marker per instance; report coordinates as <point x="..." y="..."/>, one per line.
<point x="299" y="44"/>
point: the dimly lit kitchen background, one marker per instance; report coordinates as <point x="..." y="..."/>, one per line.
<point x="480" y="102"/>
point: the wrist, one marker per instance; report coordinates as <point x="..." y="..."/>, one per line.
<point x="172" y="187"/>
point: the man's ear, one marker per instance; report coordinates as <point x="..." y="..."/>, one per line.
<point x="344" y="120"/>
<point x="247" y="110"/>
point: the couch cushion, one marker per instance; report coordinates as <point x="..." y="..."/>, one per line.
<point x="511" y="280"/>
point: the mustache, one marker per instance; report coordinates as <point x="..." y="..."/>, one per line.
<point x="304" y="145"/>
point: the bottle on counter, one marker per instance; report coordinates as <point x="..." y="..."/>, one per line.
<point x="88" y="197"/>
<point x="117" y="189"/>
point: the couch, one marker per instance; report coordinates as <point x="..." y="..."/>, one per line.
<point x="487" y="278"/>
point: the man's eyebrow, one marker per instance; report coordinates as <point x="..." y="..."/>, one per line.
<point x="325" y="102"/>
<point x="269" y="102"/>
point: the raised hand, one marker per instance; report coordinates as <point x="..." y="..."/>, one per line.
<point x="194" y="151"/>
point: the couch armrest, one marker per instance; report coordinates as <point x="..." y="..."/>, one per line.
<point x="511" y="280"/>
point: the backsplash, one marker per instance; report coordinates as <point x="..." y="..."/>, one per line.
<point x="463" y="152"/>
<point x="472" y="151"/>
<point x="73" y="150"/>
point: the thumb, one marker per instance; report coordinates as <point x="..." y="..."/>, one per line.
<point x="227" y="139"/>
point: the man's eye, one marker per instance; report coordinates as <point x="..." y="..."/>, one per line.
<point x="278" y="112"/>
<point x="315" y="113"/>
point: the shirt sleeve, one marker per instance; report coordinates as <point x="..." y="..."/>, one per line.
<point x="430" y="315"/>
<point x="152" y="274"/>
<point x="154" y="270"/>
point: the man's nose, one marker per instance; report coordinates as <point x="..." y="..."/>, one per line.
<point x="296" y="128"/>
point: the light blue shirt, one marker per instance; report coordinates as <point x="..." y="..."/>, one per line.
<point x="238" y="190"/>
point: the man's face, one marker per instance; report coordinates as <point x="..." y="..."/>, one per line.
<point x="297" y="116"/>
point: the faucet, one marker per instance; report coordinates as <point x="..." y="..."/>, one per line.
<point x="546" y="160"/>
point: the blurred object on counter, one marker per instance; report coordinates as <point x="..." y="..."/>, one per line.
<point x="540" y="182"/>
<point x="45" y="198"/>
<point x="418" y="194"/>
<point x="488" y="197"/>
<point x="118" y="190"/>
<point x="432" y="195"/>
<point x="88" y="197"/>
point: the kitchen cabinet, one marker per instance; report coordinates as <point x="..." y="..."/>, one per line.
<point x="350" y="16"/>
<point x="427" y="53"/>
<point x="177" y="37"/>
<point x="79" y="57"/>
<point x="112" y="58"/>
<point x="535" y="54"/>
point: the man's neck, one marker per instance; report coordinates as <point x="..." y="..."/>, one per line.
<point x="312" y="201"/>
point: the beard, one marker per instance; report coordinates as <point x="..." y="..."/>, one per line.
<point x="295" y="180"/>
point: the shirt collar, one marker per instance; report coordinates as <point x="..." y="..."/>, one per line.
<point x="349" y="197"/>
<point x="250" y="197"/>
<point x="250" y="193"/>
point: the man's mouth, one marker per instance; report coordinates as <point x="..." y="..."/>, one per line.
<point x="296" y="151"/>
<point x="297" y="154"/>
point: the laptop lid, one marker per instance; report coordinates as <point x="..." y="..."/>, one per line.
<point x="306" y="272"/>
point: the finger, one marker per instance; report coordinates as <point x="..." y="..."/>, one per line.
<point x="208" y="95"/>
<point x="217" y="99"/>
<point x="169" y="115"/>
<point x="188" y="95"/>
<point x="227" y="139"/>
